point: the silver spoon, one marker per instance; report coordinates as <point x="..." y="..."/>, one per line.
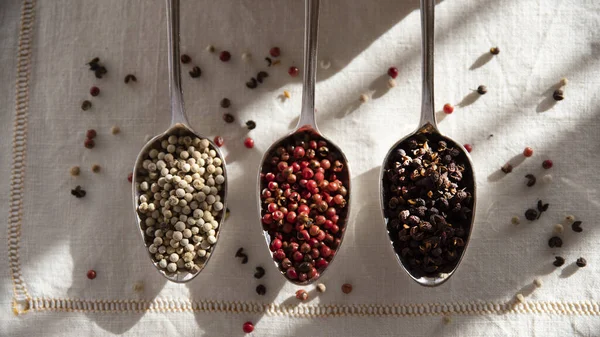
<point x="179" y="127"/>
<point x="308" y="125"/>
<point x="428" y="128"/>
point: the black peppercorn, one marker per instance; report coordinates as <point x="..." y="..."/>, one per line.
<point x="260" y="272"/>
<point x="261" y="76"/>
<point x="86" y="105"/>
<point x="195" y="72"/>
<point x="225" y="103"/>
<point x="129" y="78"/>
<point x="261" y="289"/>
<point x="228" y="118"/>
<point x="185" y="59"/>
<point x="251" y="125"/>
<point x="252" y="84"/>
<point x="507" y="168"/>
<point x="531" y="214"/>
<point x="482" y="90"/>
<point x="558" y="95"/>
<point x="78" y="192"/>
<point x="558" y="261"/>
<point x="581" y="262"/>
<point x="530" y="180"/>
<point x="555" y="241"/>
<point x="576" y="226"/>
<point x="494" y="50"/>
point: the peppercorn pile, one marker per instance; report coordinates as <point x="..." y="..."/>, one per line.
<point x="304" y="197"/>
<point x="428" y="204"/>
<point x="181" y="186"/>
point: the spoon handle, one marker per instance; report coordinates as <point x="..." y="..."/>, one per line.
<point x="177" y="107"/>
<point x="311" y="27"/>
<point x="427" y="39"/>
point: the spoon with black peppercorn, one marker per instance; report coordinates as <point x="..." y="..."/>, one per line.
<point x="304" y="185"/>
<point x="428" y="187"/>
<point x="179" y="184"/>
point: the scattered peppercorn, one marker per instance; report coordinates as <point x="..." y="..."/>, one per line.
<point x="228" y="118"/>
<point x="91" y="274"/>
<point x="240" y="253"/>
<point x="482" y="90"/>
<point x="507" y="168"/>
<point x="275" y="52"/>
<point x="95" y="60"/>
<point x="210" y="48"/>
<point x="520" y="298"/>
<point x="494" y="50"/>
<point x="130" y="78"/>
<point x="528" y="152"/>
<point x="75" y="171"/>
<point x="287" y="94"/>
<point x="515" y="220"/>
<point x="246" y="56"/>
<point x="564" y="81"/>
<point x="89" y="143"/>
<point x="248" y="327"/>
<point x="547" y="178"/>
<point x="555" y="241"/>
<point x="78" y="192"/>
<point x="91" y="134"/>
<point x="293" y="71"/>
<point x="581" y="262"/>
<point x="391" y="83"/>
<point x="86" y="105"/>
<point x="541" y="207"/>
<point x="225" y="103"/>
<point x="95" y="168"/>
<point x="448" y="108"/>
<point x="185" y="59"/>
<point x="100" y="71"/>
<point x="195" y="72"/>
<point x="570" y="218"/>
<point x="537" y="282"/>
<point x="558" y="228"/>
<point x="363" y="98"/>
<point x="249" y="142"/>
<point x="260" y="272"/>
<point x="218" y="141"/>
<point x="530" y="179"/>
<point x="94" y="91"/>
<point x="558" y="261"/>
<point x="224" y="56"/>
<point x="346" y="288"/>
<point x="115" y="129"/>
<point x="576" y="226"/>
<point x="468" y="147"/>
<point x="261" y="76"/>
<point x="269" y="61"/>
<point x="130" y="177"/>
<point x="558" y="95"/>
<point x="531" y="214"/>
<point x="392" y="72"/>
<point x="252" y="84"/>
<point x="321" y="288"/>
<point x="261" y="289"/>
<point x="302" y="295"/>
<point x="251" y="125"/>
<point x="547" y="164"/>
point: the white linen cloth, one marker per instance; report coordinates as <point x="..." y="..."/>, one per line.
<point x="58" y="238"/>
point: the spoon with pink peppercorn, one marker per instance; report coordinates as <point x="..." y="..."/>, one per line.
<point x="179" y="185"/>
<point x="428" y="187"/>
<point x="304" y="185"/>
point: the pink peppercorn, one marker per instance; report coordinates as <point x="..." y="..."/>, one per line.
<point x="94" y="91"/>
<point x="393" y="72"/>
<point x="293" y="71"/>
<point x="248" y="327"/>
<point x="219" y="141"/>
<point x="249" y="142"/>
<point x="91" y="274"/>
<point x="448" y="108"/>
<point x="468" y="147"/>
<point x="91" y="134"/>
<point x="291" y="273"/>
<point x="547" y="164"/>
<point x="275" y="52"/>
<point x="225" y="56"/>
<point x="130" y="177"/>
<point x="89" y="143"/>
<point x="528" y="152"/>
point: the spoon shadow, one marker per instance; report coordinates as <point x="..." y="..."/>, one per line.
<point x="482" y="60"/>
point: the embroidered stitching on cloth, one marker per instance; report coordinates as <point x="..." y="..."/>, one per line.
<point x="21" y="296"/>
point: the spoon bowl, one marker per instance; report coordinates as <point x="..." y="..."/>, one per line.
<point x="180" y="128"/>
<point x="305" y="133"/>
<point x="441" y="235"/>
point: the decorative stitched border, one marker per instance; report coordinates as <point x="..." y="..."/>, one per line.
<point x="587" y="308"/>
<point x="23" y="302"/>
<point x="21" y="298"/>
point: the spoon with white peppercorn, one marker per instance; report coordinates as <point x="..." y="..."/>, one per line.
<point x="304" y="185"/>
<point x="179" y="184"/>
<point x="428" y="187"/>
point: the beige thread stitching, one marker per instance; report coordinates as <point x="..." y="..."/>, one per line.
<point x="315" y="311"/>
<point x="22" y="300"/>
